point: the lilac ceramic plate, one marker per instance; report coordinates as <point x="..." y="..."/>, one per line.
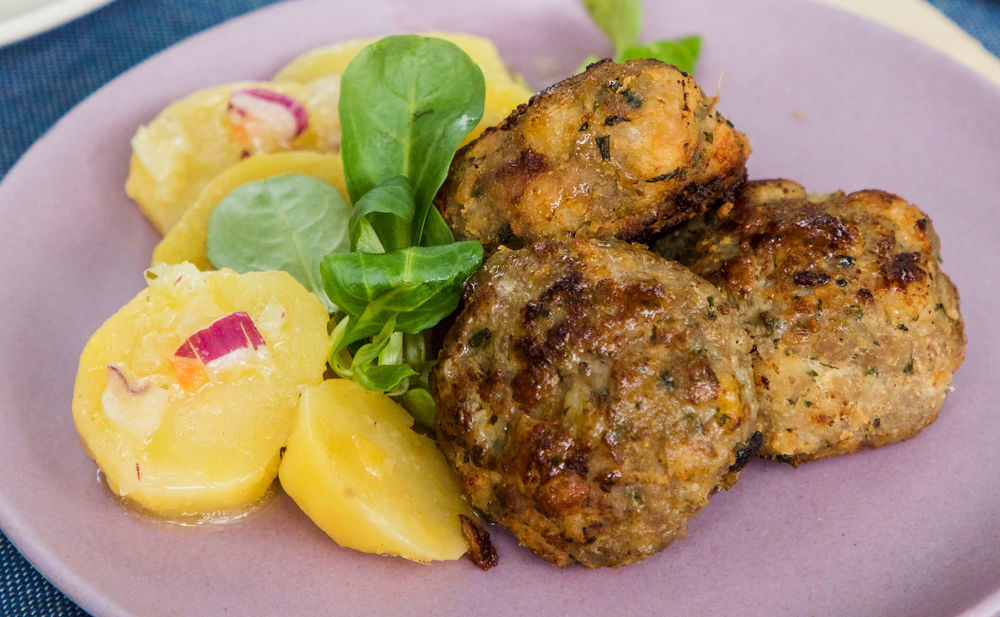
<point x="833" y="102"/>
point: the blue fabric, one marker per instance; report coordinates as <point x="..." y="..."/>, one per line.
<point x="43" y="77"/>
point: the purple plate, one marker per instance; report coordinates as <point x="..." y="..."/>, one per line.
<point x="826" y="99"/>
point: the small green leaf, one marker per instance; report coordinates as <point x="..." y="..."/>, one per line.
<point x="406" y="103"/>
<point x="287" y="222"/>
<point x="436" y="231"/>
<point x="382" y="217"/>
<point x="682" y="53"/>
<point x="420" y="404"/>
<point x="418" y="286"/>
<point x="372" y="369"/>
<point x="620" y="20"/>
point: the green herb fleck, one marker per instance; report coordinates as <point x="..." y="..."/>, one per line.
<point x="902" y="327"/>
<point x="480" y="338"/>
<point x="667" y="381"/>
<point x="909" y="366"/>
<point x="604" y="146"/>
<point x="845" y="261"/>
<point x="634" y="99"/>
<point x="667" y="176"/>
<point x="812" y="373"/>
<point x="872" y="372"/>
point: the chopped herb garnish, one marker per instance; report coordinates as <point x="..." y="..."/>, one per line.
<point x="480" y="338"/>
<point x="812" y="373"/>
<point x="909" y="366"/>
<point x="667" y="176"/>
<point x="604" y="145"/>
<point x="613" y="120"/>
<point x="667" y="380"/>
<point x="872" y="372"/>
<point x="708" y="136"/>
<point x="634" y="99"/>
<point x="841" y="282"/>
<point x="902" y="327"/>
<point x="845" y="261"/>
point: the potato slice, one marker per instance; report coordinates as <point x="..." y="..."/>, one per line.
<point x="192" y="140"/>
<point x="186" y="240"/>
<point x="181" y="434"/>
<point x="321" y="68"/>
<point x="364" y="477"/>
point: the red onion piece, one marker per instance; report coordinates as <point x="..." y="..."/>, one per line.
<point x="257" y="109"/>
<point x="224" y="336"/>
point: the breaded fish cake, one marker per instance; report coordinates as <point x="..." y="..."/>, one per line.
<point x="593" y="397"/>
<point x="857" y="331"/>
<point x="619" y="151"/>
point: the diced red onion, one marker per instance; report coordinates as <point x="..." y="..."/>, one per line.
<point x="117" y="381"/>
<point x="279" y="113"/>
<point x="224" y="336"/>
<point x="137" y="406"/>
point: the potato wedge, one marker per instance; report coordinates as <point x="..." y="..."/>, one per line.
<point x="356" y="468"/>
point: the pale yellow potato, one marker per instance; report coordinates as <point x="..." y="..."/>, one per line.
<point x="189" y="439"/>
<point x="186" y="240"/>
<point x="356" y="468"/>
<point x="179" y="152"/>
<point x="322" y="67"/>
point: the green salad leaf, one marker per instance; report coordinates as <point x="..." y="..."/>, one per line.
<point x="287" y="222"/>
<point x="682" y="53"/>
<point x="382" y="217"/>
<point x="621" y="20"/>
<point x="388" y="268"/>
<point x="406" y="103"/>
<point x="416" y="286"/>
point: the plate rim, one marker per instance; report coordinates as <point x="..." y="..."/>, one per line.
<point x="34" y="553"/>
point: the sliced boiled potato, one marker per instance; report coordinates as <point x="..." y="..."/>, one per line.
<point x="322" y="67"/>
<point x="186" y="240"/>
<point x="195" y="138"/>
<point x="185" y="396"/>
<point x="356" y="468"/>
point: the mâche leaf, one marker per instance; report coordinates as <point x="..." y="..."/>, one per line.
<point x="416" y="286"/>
<point x="382" y="217"/>
<point x="287" y="222"/>
<point x="406" y="103"/>
<point x="619" y="20"/>
<point x="682" y="53"/>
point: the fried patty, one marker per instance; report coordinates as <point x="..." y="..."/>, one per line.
<point x="857" y="331"/>
<point x="593" y="396"/>
<point x="619" y="151"/>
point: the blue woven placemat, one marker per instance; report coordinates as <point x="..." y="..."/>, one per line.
<point x="43" y="77"/>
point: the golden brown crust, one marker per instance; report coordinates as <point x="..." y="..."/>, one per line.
<point x="619" y="151"/>
<point x="592" y="397"/>
<point x="857" y="331"/>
